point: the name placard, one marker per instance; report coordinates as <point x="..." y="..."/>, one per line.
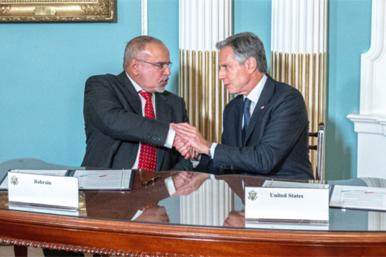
<point x="287" y="207"/>
<point x="43" y="190"/>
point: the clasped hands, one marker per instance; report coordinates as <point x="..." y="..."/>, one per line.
<point x="189" y="141"/>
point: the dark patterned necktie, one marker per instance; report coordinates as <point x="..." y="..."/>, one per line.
<point x="246" y="116"/>
<point x="147" y="155"/>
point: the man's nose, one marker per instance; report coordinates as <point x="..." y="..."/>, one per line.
<point x="167" y="71"/>
<point x="221" y="74"/>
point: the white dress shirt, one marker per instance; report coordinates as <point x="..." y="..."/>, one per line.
<point x="171" y="133"/>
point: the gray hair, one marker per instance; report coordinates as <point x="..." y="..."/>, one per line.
<point x="246" y="45"/>
<point x="136" y="45"/>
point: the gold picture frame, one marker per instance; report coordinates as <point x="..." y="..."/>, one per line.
<point x="57" y="10"/>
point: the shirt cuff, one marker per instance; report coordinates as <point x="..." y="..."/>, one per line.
<point x="212" y="149"/>
<point x="170" y="138"/>
<point x="195" y="162"/>
<point x="170" y="185"/>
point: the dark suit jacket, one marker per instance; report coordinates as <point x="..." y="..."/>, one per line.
<point x="276" y="139"/>
<point x="114" y="124"/>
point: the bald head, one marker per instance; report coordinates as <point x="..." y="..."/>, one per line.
<point x="136" y="46"/>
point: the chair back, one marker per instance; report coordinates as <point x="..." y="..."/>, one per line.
<point x="319" y="147"/>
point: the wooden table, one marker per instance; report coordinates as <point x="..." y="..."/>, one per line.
<point x="97" y="233"/>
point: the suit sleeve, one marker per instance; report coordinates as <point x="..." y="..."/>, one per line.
<point x="287" y="121"/>
<point x="104" y="110"/>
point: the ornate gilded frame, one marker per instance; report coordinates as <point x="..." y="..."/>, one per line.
<point x="57" y="10"/>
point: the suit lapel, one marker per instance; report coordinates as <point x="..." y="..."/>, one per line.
<point x="261" y="108"/>
<point x="239" y="119"/>
<point x="163" y="110"/>
<point x="164" y="114"/>
<point x="132" y="97"/>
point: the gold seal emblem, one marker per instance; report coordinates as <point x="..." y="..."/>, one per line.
<point x="252" y="195"/>
<point x="14" y="180"/>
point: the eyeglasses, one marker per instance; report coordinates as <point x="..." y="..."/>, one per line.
<point x="159" y="65"/>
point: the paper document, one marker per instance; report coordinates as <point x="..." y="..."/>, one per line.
<point x="104" y="179"/>
<point x="87" y="179"/>
<point x="359" y="197"/>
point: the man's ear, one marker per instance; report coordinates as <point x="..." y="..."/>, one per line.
<point x="251" y="64"/>
<point x="132" y="66"/>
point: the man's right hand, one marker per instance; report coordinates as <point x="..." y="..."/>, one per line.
<point x="183" y="147"/>
<point x="188" y="182"/>
<point x="192" y="138"/>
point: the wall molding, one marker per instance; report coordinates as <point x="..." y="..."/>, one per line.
<point x="372" y="63"/>
<point x="144" y="18"/>
<point x="369" y="124"/>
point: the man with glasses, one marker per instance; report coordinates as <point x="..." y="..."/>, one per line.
<point x="128" y="116"/>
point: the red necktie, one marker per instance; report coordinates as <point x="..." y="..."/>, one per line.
<point x="147" y="155"/>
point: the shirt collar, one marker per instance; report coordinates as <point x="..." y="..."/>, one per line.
<point x="254" y="95"/>
<point x="136" y="86"/>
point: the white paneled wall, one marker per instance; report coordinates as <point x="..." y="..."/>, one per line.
<point x="370" y="123"/>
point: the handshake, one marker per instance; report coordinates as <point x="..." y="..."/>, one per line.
<point x="189" y="141"/>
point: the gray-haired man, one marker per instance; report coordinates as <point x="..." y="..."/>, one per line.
<point x="265" y="127"/>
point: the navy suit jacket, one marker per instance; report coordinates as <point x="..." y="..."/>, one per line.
<point x="115" y="126"/>
<point x="276" y="141"/>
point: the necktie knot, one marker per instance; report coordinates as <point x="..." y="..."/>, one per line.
<point x="146" y="95"/>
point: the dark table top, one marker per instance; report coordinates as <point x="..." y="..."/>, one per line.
<point x="209" y="202"/>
